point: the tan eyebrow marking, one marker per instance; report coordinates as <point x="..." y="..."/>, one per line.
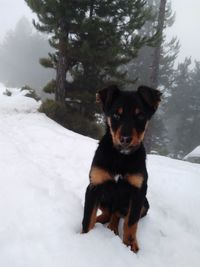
<point x="115" y="135"/>
<point x="137" y="111"/>
<point x="120" y="111"/>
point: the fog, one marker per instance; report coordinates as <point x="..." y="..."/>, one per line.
<point x="19" y="57"/>
<point x="186" y="26"/>
<point x="21" y="47"/>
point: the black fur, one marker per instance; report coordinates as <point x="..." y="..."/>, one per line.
<point x="121" y="153"/>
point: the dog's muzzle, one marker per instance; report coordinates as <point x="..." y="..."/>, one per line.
<point x="126" y="150"/>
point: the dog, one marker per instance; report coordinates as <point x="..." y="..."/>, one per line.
<point x="118" y="175"/>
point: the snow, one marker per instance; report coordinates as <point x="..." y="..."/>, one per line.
<point x="17" y="103"/>
<point x="44" y="173"/>
<point x="194" y="153"/>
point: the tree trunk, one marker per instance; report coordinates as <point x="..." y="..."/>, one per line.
<point x="149" y="136"/>
<point x="155" y="69"/>
<point x="91" y="8"/>
<point x="157" y="51"/>
<point x="61" y="72"/>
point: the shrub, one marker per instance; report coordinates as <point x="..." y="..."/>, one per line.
<point x="50" y="87"/>
<point x="70" y="118"/>
<point x="7" y="92"/>
<point x="31" y="92"/>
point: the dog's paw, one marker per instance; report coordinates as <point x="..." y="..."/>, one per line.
<point x="113" y="228"/>
<point x="102" y="219"/>
<point x="132" y="242"/>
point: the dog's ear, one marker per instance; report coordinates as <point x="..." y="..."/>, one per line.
<point x="106" y="96"/>
<point x="150" y="96"/>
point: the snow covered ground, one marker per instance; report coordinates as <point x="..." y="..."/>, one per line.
<point x="44" y="173"/>
<point x="194" y="155"/>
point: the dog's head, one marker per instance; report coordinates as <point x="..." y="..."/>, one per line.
<point x="127" y="114"/>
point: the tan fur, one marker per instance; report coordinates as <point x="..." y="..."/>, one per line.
<point x="114" y="223"/>
<point x="120" y="111"/>
<point x="115" y="135"/>
<point x="104" y="217"/>
<point x="135" y="180"/>
<point x="137" y="111"/>
<point x="137" y="138"/>
<point x="129" y="237"/>
<point x="99" y="176"/>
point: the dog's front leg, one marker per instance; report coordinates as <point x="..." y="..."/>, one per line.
<point x="90" y="208"/>
<point x="99" y="178"/>
<point x="131" y="220"/>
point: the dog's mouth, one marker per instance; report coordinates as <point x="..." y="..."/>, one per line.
<point x="126" y="150"/>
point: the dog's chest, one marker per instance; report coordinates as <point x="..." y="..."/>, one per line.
<point x="117" y="177"/>
<point x="121" y="167"/>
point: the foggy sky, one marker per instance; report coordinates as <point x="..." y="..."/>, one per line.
<point x="186" y="26"/>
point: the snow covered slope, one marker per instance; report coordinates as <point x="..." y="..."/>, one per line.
<point x="44" y="173"/>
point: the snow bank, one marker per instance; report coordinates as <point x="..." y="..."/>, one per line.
<point x="44" y="173"/>
<point x="194" y="153"/>
<point x="17" y="102"/>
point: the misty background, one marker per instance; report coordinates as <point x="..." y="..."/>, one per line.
<point x="176" y="126"/>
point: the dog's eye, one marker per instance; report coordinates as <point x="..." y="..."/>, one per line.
<point x="141" y="116"/>
<point x="116" y="116"/>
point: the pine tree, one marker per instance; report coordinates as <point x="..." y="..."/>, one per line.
<point x="59" y="19"/>
<point x="161" y="74"/>
<point x="157" y="50"/>
<point x="179" y="111"/>
<point x="186" y="98"/>
<point x="92" y="39"/>
<point x="194" y="115"/>
<point x="141" y="67"/>
<point x="169" y="53"/>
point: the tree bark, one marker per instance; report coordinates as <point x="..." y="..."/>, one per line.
<point x="61" y="74"/>
<point x="91" y="8"/>
<point x="62" y="64"/>
<point x="155" y="68"/>
<point x="157" y="51"/>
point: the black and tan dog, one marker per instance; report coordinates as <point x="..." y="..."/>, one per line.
<point x="118" y="175"/>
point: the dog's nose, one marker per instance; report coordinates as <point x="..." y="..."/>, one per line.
<point x="125" y="140"/>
